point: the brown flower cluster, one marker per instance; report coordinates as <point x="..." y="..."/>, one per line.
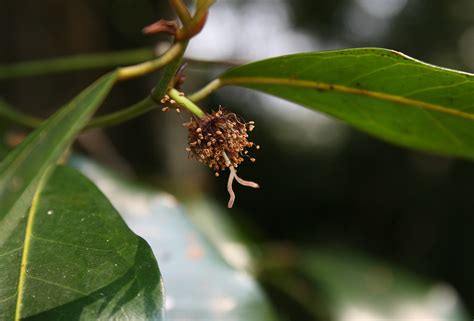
<point x="219" y="140"/>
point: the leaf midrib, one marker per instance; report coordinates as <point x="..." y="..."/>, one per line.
<point x="26" y="248"/>
<point x="401" y="100"/>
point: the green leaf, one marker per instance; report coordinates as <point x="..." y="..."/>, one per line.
<point x="21" y="170"/>
<point x="20" y="175"/>
<point x="379" y="91"/>
<point x="200" y="283"/>
<point x="83" y="261"/>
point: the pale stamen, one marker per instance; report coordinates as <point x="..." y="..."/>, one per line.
<point x="229" y="188"/>
<point x="232" y="175"/>
<point x="244" y="182"/>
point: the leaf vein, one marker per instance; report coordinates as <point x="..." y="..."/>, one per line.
<point x="401" y="100"/>
<point x="70" y="244"/>
<point x="11" y="251"/>
<point x="26" y="249"/>
<point x="58" y="285"/>
<point x="441" y="126"/>
<point x="374" y="72"/>
<point x="418" y="91"/>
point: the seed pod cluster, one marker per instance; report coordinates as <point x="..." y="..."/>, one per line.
<point x="219" y="140"/>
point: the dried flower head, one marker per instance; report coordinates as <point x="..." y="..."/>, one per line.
<point x="220" y="140"/>
<point x="209" y="137"/>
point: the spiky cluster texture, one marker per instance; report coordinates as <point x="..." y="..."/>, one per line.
<point x="217" y="135"/>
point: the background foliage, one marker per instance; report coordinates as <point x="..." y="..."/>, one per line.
<point x="350" y="190"/>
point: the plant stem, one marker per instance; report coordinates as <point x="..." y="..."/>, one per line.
<point x="144" y="68"/>
<point x="172" y="58"/>
<point x="123" y="115"/>
<point x="149" y="103"/>
<point x="182" y="12"/>
<point x="206" y="90"/>
<point x="168" y="78"/>
<point x="204" y="4"/>
<point x="185" y="102"/>
<point x="75" y="63"/>
<point x="120" y="116"/>
<point x="133" y="111"/>
<point x="90" y="62"/>
<point x="215" y="62"/>
<point x="197" y="22"/>
<point x="9" y="113"/>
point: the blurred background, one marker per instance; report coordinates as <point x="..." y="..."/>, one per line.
<point x="324" y="185"/>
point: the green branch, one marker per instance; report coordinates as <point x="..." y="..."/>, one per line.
<point x="206" y="90"/>
<point x="175" y="52"/>
<point x="182" y="11"/>
<point x="172" y="59"/>
<point x="75" y="63"/>
<point x="123" y="115"/>
<point x="149" y="103"/>
<point x="185" y="102"/>
<point x="9" y="113"/>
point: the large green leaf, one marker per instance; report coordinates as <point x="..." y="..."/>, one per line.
<point x="20" y="175"/>
<point x="382" y="92"/>
<point x="21" y="170"/>
<point x="200" y="284"/>
<point x="83" y="262"/>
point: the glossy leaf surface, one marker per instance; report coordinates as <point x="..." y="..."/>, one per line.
<point x="20" y="175"/>
<point x="83" y="260"/>
<point x="379" y="91"/>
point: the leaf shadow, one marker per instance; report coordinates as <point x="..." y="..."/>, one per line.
<point x="132" y="295"/>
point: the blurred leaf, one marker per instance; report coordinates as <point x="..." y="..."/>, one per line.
<point x="218" y="227"/>
<point x="382" y="92"/>
<point x="356" y="287"/>
<point x="333" y="284"/>
<point x="3" y="151"/>
<point x="75" y="63"/>
<point x="20" y="175"/>
<point x="4" y="148"/>
<point x="199" y="282"/>
<point x="83" y="260"/>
